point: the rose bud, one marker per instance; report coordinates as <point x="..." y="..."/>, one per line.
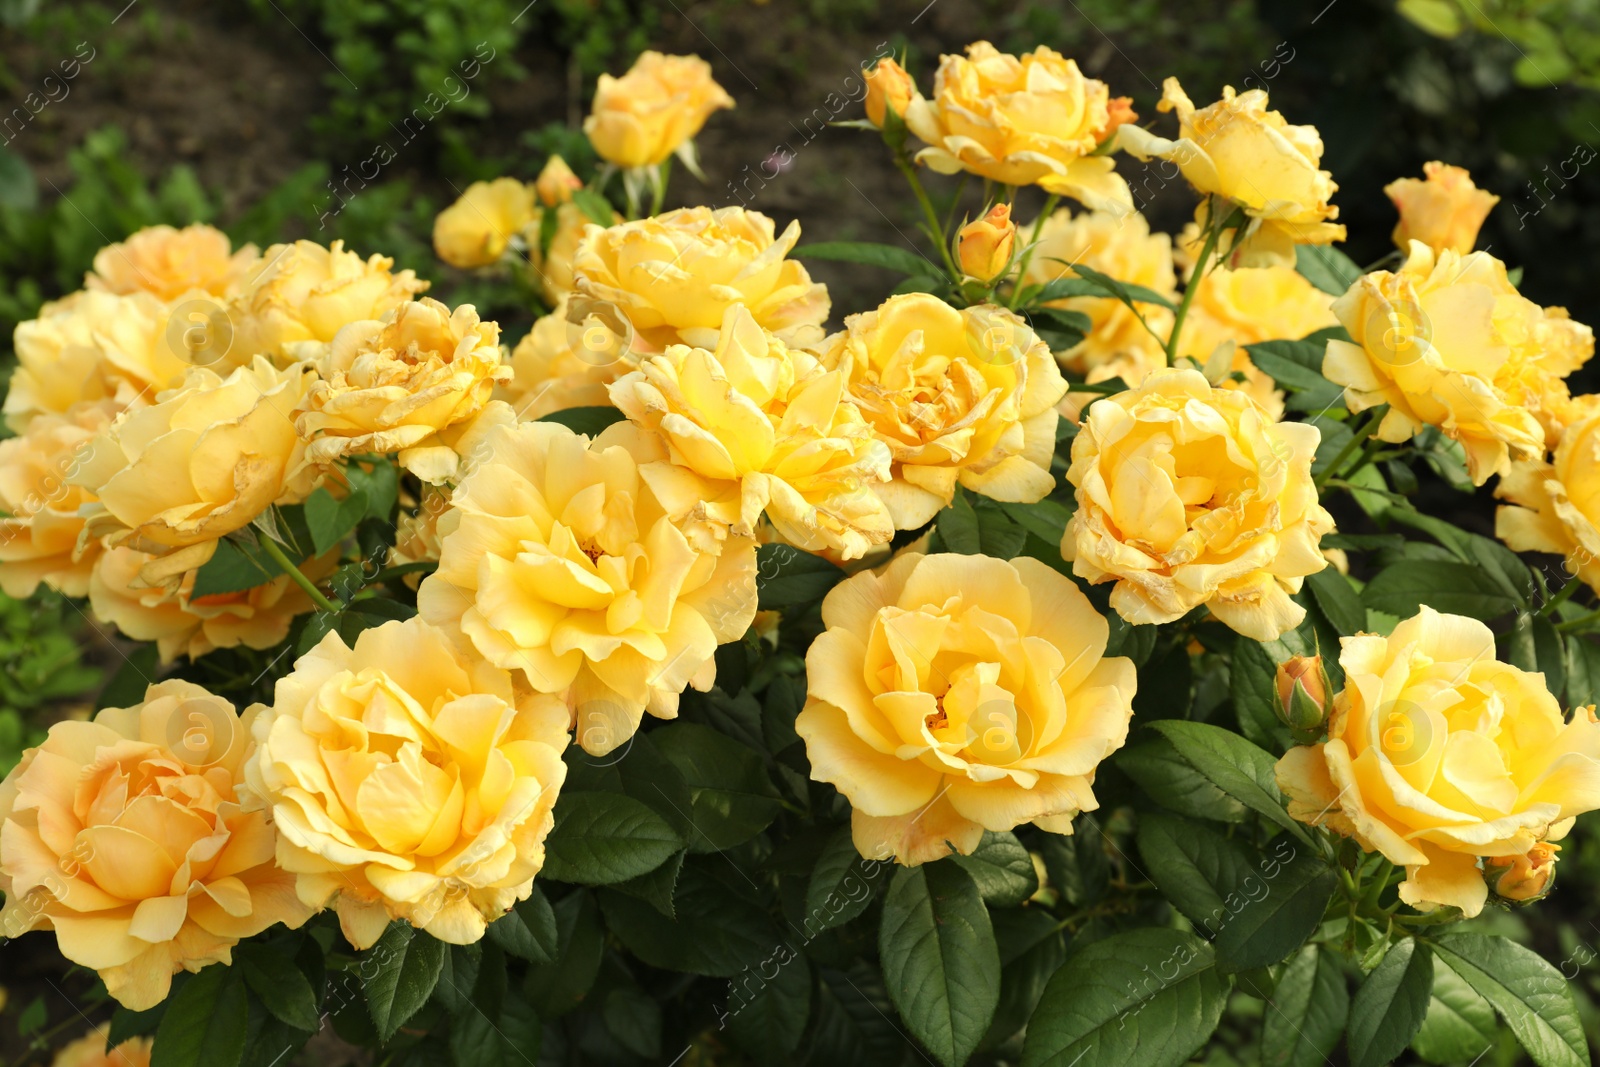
<point x="1304" y="694"/>
<point x="556" y="182"/>
<point x="1523" y="879"/>
<point x="984" y="247"/>
<point x="889" y="88"/>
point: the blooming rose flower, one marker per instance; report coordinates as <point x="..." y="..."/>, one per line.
<point x="127" y="837"/>
<point x="559" y="561"/>
<point x="182" y="625"/>
<point x="1432" y="341"/>
<point x="476" y="230"/>
<point x="392" y="386"/>
<point x="549" y="374"/>
<point x="1029" y="121"/>
<point x="1191" y="495"/>
<point x="955" y="694"/>
<point x="92" y="346"/>
<point x="958" y="396"/>
<point x="203" y="461"/>
<point x="1444" y="211"/>
<point x="889" y="89"/>
<point x="304" y="292"/>
<point x="1555" y="507"/>
<point x="1248" y="157"/>
<point x="90" y="1051"/>
<point x="1438" y="755"/>
<point x="756" y="426"/>
<point x="408" y="781"/>
<point x="1116" y="346"/>
<point x="167" y="263"/>
<point x="675" y="275"/>
<point x="643" y="117"/>
<point x="39" y="537"/>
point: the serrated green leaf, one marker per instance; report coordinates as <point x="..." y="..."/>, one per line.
<point x="281" y="985"/>
<point x="1306" y="1013"/>
<point x="600" y="838"/>
<point x="1452" y="588"/>
<point x="787" y="577"/>
<point x="890" y="257"/>
<point x="205" y="1023"/>
<point x="398" y="975"/>
<point x="528" y="930"/>
<point x="731" y="795"/>
<point x="589" y="421"/>
<point x="1460" y="1025"/>
<point x="1002" y="868"/>
<point x="1242" y="770"/>
<point x="1389" y="1007"/>
<point x="1528" y="993"/>
<point x="1194" y="866"/>
<point x="842" y="883"/>
<point x="1264" y="930"/>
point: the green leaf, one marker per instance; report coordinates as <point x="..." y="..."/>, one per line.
<point x="329" y="519"/>
<point x="1338" y="600"/>
<point x="1307" y="1012"/>
<point x="1046" y="519"/>
<point x="1252" y="683"/>
<point x="234" y="568"/>
<point x="398" y="975"/>
<point x="556" y="988"/>
<point x="510" y="1039"/>
<point x="595" y="207"/>
<point x="1127" y="292"/>
<point x="940" y="961"/>
<point x="1389" y="1007"/>
<point x="140" y="667"/>
<point x="206" y="1022"/>
<point x="1531" y="996"/>
<point x="1169" y="780"/>
<point x="375" y="478"/>
<point x="1295" y="365"/>
<point x="1076" y="862"/>
<point x="958" y="527"/>
<point x="842" y="884"/>
<point x="1145" y="998"/>
<point x="1002" y="868"/>
<point x="1460" y="1025"/>
<point x="1233" y="765"/>
<point x="733" y="798"/>
<point x="600" y="838"/>
<point x="1583" y="671"/>
<point x="18" y="189"/>
<point x="1031" y="949"/>
<point x="657" y="887"/>
<point x="528" y="930"/>
<point x="717" y="930"/>
<point x="1194" y="866"/>
<point x="1264" y="930"/>
<point x="458" y="978"/>
<point x="786" y="577"/>
<point x="1326" y="267"/>
<point x="890" y="257"/>
<point x="588" y="421"/>
<point x="281" y="985"/>
<point x="1453" y="588"/>
<point x="767" y="1017"/>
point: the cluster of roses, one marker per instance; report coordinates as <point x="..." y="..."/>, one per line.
<point x="582" y="582"/>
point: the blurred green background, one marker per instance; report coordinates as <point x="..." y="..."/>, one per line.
<point x="250" y="113"/>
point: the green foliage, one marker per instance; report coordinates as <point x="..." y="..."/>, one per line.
<point x="41" y="665"/>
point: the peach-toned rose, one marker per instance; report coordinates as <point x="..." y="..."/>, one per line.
<point x="90" y="1051"/>
<point x="1439" y="756"/>
<point x="39" y="537"/>
<point x="167" y="263"/>
<point x="953" y="694"/>
<point x="127" y="837"/>
<point x="408" y="780"/>
<point x="1443" y="211"/>
<point x="556" y="182"/>
<point x="654" y="110"/>
<point x="1526" y="878"/>
<point x="675" y="275"/>
<point x="889" y="90"/>
<point x="1188" y="495"/>
<point x="394" y="385"/>
<point x="476" y="230"/>
<point x="959" y="396"/>
<point x="550" y="374"/>
<point x="559" y="561"/>
<point x="984" y="246"/>
<point x="754" y="427"/>
<point x="1036" y="120"/>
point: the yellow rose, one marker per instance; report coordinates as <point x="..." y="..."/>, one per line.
<point x="408" y="780"/>
<point x="1445" y="211"/>
<point x="1546" y="347"/>
<point x="1431" y="341"/>
<point x="1191" y="495"/>
<point x="654" y="110"/>
<point x="202" y="462"/>
<point x="476" y="230"/>
<point x="1524" y="879"/>
<point x="958" y="396"/>
<point x="392" y="386"/>
<point x="558" y="561"/>
<point x="556" y="182"/>
<point x="756" y="426"/>
<point x="167" y="263"/>
<point x="953" y="694"/>
<point x="1248" y="157"/>
<point x="1116" y="346"/>
<point x="39" y="537"/>
<point x="552" y="269"/>
<point x="1437" y="756"/>
<point x="983" y="247"/>
<point x="550" y="374"/>
<point x="90" y="1051"/>
<point x="889" y="89"/>
<point x="92" y="346"/>
<point x="1029" y="121"/>
<point x="304" y="292"/>
<point x="128" y="838"/>
<point x="181" y="625"/>
<point x="1248" y="305"/>
<point x="674" y="276"/>
<point x="1555" y="507"/>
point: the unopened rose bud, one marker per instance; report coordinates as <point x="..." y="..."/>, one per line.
<point x="1523" y="879"/>
<point x="1304" y="694"/>
<point x="984" y="247"/>
<point x="556" y="182"/>
<point x="889" y="88"/>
